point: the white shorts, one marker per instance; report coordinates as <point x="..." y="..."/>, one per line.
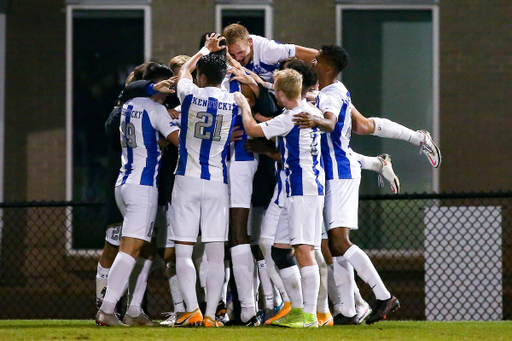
<point x="271" y="217"/>
<point x="240" y="176"/>
<point x="301" y="221"/>
<point x="138" y="204"/>
<point x="198" y="203"/>
<point x="161" y="226"/>
<point x="341" y="203"/>
<point x="113" y="234"/>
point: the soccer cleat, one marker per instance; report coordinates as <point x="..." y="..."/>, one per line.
<point x="324" y="319"/>
<point x="362" y="311"/>
<point x="209" y="322"/>
<point x="103" y="319"/>
<point x="297" y="318"/>
<point x="430" y="149"/>
<point x="171" y="318"/>
<point x="141" y="320"/>
<point x="192" y="318"/>
<point x="285" y="309"/>
<point x="382" y="308"/>
<point x="388" y="173"/>
<point x="221" y="314"/>
<point x="342" y="320"/>
<point x="266" y="314"/>
<point x="99" y="300"/>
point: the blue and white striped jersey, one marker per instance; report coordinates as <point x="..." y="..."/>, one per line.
<point x="339" y="160"/>
<point x="300" y="152"/>
<point x="142" y="122"/>
<point x="207" y="119"/>
<point x="267" y="55"/>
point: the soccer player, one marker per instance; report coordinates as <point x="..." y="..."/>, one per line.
<point x="200" y="198"/>
<point x="301" y="216"/>
<point x="259" y="54"/>
<point x="142" y="119"/>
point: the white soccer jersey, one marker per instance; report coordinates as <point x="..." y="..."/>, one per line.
<point x="300" y="152"/>
<point x="142" y="120"/>
<point x="338" y="158"/>
<point x="267" y="54"/>
<point x="207" y="119"/>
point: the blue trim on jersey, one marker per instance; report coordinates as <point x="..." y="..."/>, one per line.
<point x="341" y="157"/>
<point x="293" y="162"/>
<point x="182" y="161"/>
<point x="279" y="183"/>
<point x="269" y="67"/>
<point x="240" y="153"/>
<point x="129" y="151"/>
<point x="151" y="144"/>
<point x="224" y="154"/>
<point x="317" y="159"/>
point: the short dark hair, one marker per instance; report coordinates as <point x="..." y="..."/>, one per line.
<point x="156" y="71"/>
<point x="336" y="56"/>
<point x="213" y="67"/>
<point x="309" y="76"/>
<point x="222" y="42"/>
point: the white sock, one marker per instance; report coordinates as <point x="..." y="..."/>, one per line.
<point x="369" y="162"/>
<point x="310" y="286"/>
<point x="393" y="130"/>
<point x="186" y="272"/>
<point x="215" y="276"/>
<point x="137" y="286"/>
<point x="266" y="285"/>
<point x="203" y="271"/>
<point x="323" y="300"/>
<point x="291" y="281"/>
<point x="344" y="278"/>
<point x="358" y="299"/>
<point x="117" y="280"/>
<point x="101" y="280"/>
<point x="227" y="275"/>
<point x="243" y="270"/>
<point x="365" y="269"/>
<point x="334" y="295"/>
<point x="177" y="297"/>
<point x="266" y="249"/>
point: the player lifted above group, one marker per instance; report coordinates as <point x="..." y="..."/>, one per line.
<point x="247" y="110"/>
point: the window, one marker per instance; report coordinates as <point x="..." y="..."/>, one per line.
<point x="256" y="18"/>
<point x="104" y="44"/>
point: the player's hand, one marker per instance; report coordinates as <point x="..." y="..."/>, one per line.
<point x="242" y="77"/>
<point x="240" y="100"/>
<point x="167" y="85"/>
<point x="236" y="134"/>
<point x="304" y="120"/>
<point x="174" y="113"/>
<point x="212" y="42"/>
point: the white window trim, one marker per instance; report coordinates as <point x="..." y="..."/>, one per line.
<point x="69" y="98"/>
<point x="435" y="59"/>
<point x="269" y="16"/>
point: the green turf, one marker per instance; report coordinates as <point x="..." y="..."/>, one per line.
<point x="387" y="330"/>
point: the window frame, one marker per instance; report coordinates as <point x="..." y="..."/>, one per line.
<point x="269" y="15"/>
<point x="69" y="98"/>
<point x="435" y="56"/>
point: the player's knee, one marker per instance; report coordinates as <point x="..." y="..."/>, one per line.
<point x="339" y="247"/>
<point x="283" y="258"/>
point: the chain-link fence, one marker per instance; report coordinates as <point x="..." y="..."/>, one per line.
<point x="446" y="257"/>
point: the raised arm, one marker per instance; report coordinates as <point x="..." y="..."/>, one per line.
<point x="211" y="45"/>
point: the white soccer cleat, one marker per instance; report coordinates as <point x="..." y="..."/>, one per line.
<point x="362" y="311"/>
<point x="103" y="319"/>
<point x="141" y="320"/>
<point x="430" y="149"/>
<point x="388" y="173"/>
<point x="171" y="319"/>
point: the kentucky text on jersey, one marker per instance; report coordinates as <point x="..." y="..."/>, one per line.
<point x="212" y="104"/>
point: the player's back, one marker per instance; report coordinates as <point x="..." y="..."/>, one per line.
<point x="207" y="119"/>
<point x="141" y="121"/>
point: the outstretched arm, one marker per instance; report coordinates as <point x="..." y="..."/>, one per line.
<point x="211" y="45"/>
<point x="307" y="120"/>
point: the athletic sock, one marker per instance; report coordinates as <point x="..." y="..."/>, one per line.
<point x="186" y="272"/>
<point x="214" y="276"/>
<point x="137" y="285"/>
<point x="177" y="297"/>
<point x="101" y="280"/>
<point x="266" y="285"/>
<point x="323" y="300"/>
<point x="365" y="269"/>
<point x="243" y="270"/>
<point x="344" y="278"/>
<point x="310" y="277"/>
<point x="334" y="295"/>
<point x="393" y="130"/>
<point x="117" y="280"/>
<point x="369" y="162"/>
<point x="266" y="249"/>
<point x="358" y="299"/>
<point x="292" y="283"/>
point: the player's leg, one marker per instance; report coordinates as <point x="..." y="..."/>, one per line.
<point x="323" y="314"/>
<point x="382" y="165"/>
<point x="105" y="263"/>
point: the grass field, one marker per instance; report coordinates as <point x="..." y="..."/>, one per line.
<point x="387" y="330"/>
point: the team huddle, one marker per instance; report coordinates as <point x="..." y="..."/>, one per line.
<point x="243" y="101"/>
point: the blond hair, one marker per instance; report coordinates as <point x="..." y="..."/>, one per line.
<point x="178" y="61"/>
<point x="235" y="33"/>
<point x="289" y="82"/>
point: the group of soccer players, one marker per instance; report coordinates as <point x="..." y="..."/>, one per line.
<point x="237" y="99"/>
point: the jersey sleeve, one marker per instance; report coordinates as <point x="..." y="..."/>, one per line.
<point x="273" y="52"/>
<point x="278" y="126"/>
<point x="185" y="87"/>
<point x="163" y="121"/>
<point x="329" y="103"/>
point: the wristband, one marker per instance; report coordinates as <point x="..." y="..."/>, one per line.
<point x="204" y="51"/>
<point x="269" y="86"/>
